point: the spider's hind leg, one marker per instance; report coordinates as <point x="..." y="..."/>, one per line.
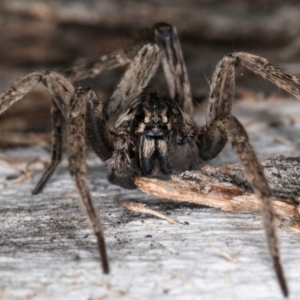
<point x="56" y="155"/>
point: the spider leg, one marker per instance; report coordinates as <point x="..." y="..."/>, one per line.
<point x="134" y="81"/>
<point x="19" y="89"/>
<point x="222" y="89"/>
<point x="92" y="68"/>
<point x="121" y="167"/>
<point x="254" y="174"/>
<point x="264" y="68"/>
<point x="72" y="106"/>
<point x="174" y="66"/>
<point x="211" y="140"/>
<point x="76" y="153"/>
<point x="97" y="131"/>
<point x="56" y="156"/>
<point x="222" y="126"/>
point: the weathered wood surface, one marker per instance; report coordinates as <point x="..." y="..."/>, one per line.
<point x="48" y="252"/>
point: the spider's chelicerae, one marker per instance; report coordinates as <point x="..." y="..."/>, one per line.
<point x="143" y="133"/>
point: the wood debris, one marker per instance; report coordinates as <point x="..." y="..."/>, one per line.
<point x="142" y="208"/>
<point x="23" y="177"/>
<point x="225" y="254"/>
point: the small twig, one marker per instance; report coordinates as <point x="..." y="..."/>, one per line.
<point x="109" y="287"/>
<point x="185" y="278"/>
<point x="29" y="174"/>
<point x="142" y="208"/>
<point x="225" y="254"/>
<point x="285" y="141"/>
<point x="171" y="249"/>
<point x="294" y="226"/>
<point x="24" y="164"/>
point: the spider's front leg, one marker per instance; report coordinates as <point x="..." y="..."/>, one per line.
<point x="70" y="104"/>
<point x="90" y="68"/>
<point x="73" y="106"/>
<point x="76" y="120"/>
<point x="222" y="126"/>
<point x="174" y="66"/>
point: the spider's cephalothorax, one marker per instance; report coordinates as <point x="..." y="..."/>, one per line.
<point x="165" y="136"/>
<point x="144" y="133"/>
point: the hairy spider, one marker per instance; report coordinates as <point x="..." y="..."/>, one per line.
<point x="143" y="133"/>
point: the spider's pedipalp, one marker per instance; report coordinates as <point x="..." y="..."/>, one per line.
<point x="211" y="139"/>
<point x="121" y="168"/>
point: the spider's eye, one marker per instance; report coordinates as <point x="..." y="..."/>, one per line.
<point x="165" y="31"/>
<point x="156" y="129"/>
<point x="149" y="125"/>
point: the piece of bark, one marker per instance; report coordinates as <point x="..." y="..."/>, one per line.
<point x="142" y="208"/>
<point x="225" y="187"/>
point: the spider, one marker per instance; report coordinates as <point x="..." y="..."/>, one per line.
<point x="140" y="132"/>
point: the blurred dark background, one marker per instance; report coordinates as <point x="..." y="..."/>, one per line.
<point x="52" y="34"/>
